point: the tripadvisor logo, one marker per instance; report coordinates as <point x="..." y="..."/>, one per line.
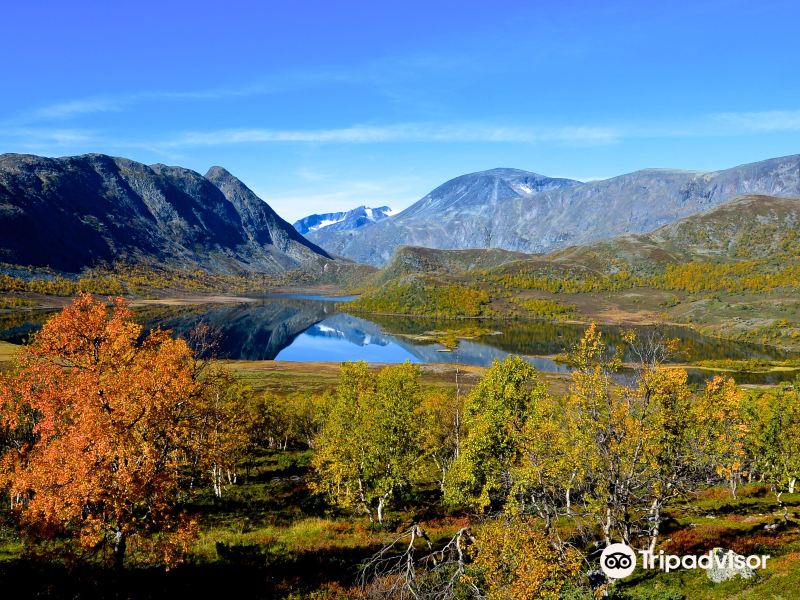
<point x="619" y="560"/>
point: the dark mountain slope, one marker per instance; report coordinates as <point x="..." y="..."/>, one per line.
<point x="261" y="224"/>
<point x="75" y="212"/>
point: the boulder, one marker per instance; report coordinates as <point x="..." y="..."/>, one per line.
<point x="723" y="566"/>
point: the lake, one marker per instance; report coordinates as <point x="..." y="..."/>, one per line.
<point x="312" y="328"/>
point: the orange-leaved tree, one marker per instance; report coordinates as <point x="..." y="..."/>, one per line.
<point x="103" y="429"/>
<point x="514" y="560"/>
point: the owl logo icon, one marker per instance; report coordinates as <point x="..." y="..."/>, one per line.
<point x="618" y="561"/>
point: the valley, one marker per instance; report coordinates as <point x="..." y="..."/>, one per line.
<point x="400" y="301"/>
<point x="701" y="297"/>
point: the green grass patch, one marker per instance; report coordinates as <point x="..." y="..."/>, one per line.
<point x="424" y="298"/>
<point x="547" y="309"/>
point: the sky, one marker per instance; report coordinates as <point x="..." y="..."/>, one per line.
<point x="327" y="105"/>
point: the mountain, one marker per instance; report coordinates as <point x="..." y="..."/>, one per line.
<point x="247" y="331"/>
<point x="744" y="228"/>
<point x="521" y="211"/>
<point x="413" y="260"/>
<point x="79" y="211"/>
<point x="342" y="221"/>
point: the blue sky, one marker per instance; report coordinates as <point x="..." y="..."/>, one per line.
<point x="328" y="105"/>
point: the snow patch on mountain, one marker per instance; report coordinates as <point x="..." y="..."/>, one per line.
<point x="343" y="221"/>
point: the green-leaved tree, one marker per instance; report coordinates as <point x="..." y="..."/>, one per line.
<point x="496" y="412"/>
<point x="369" y="446"/>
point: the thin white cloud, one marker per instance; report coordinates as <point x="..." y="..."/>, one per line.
<point x="710" y="125"/>
<point x="760" y="121"/>
<point x="406" y="132"/>
<point x="179" y="144"/>
<point x="119" y="102"/>
<point x="386" y="74"/>
<point x="35" y="138"/>
<point x="73" y="108"/>
<point x="314" y="175"/>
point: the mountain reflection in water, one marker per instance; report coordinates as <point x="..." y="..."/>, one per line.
<point x="310" y="329"/>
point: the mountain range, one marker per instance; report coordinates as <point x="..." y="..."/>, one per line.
<point x="342" y="221"/>
<point x="745" y="228"/>
<point x="75" y="212"/>
<point x="522" y="211"/>
<point x="81" y="211"/>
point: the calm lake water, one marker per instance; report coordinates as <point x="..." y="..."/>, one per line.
<point x="312" y="328"/>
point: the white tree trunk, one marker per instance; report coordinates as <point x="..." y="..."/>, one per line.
<point x="381" y="503"/>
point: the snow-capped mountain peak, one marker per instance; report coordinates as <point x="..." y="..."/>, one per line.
<point x="342" y="221"/>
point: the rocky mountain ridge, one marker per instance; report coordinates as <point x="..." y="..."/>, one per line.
<point x="82" y="211"/>
<point x="521" y="211"/>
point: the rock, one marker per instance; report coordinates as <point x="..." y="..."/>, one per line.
<point x="723" y="566"/>
<point x="76" y="212"/>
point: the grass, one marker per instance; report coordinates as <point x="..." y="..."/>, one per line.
<point x="273" y="516"/>
<point x="270" y="521"/>
<point x="315" y="377"/>
<point x="270" y="537"/>
<point x="748" y="365"/>
<point x="7" y="352"/>
<point x="285" y="377"/>
<point x="10" y="544"/>
<point x="713" y="518"/>
<point x="15" y="303"/>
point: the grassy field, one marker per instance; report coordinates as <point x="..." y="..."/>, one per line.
<point x="712" y="518"/>
<point x="272" y="514"/>
<point x="282" y="377"/>
<point x="270" y="537"/>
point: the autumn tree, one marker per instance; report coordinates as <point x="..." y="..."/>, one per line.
<point x="219" y="439"/>
<point x="598" y="422"/>
<point x="628" y="448"/>
<point x="514" y="561"/>
<point x="773" y="423"/>
<point x="495" y="414"/>
<point x="670" y="434"/>
<point x="369" y="446"/>
<point x="719" y="413"/>
<point x="553" y="468"/>
<point x="443" y="427"/>
<point x="106" y="425"/>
